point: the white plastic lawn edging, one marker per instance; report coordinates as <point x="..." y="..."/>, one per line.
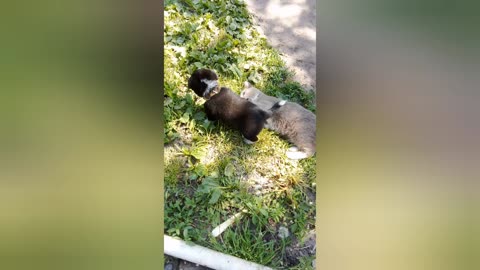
<point x="207" y="257"/>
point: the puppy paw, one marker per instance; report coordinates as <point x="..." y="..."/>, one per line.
<point x="293" y="149"/>
<point x="296" y="155"/>
<point x="247" y="141"/>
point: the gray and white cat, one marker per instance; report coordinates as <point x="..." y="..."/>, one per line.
<point x="291" y="121"/>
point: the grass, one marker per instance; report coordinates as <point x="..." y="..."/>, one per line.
<point x="210" y="174"/>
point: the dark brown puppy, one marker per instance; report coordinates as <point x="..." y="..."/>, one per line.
<point x="225" y="105"/>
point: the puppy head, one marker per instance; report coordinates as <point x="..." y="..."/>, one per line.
<point x="249" y="92"/>
<point x="203" y="82"/>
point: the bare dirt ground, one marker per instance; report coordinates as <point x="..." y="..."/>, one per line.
<point x="290" y="27"/>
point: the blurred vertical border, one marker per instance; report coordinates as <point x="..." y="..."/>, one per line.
<point x="81" y="159"/>
<point x="398" y="150"/>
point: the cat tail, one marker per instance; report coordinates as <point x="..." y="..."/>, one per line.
<point x="275" y="106"/>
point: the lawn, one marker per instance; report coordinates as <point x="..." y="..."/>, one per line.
<point x="210" y="174"/>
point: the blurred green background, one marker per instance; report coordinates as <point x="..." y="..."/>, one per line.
<point x="398" y="150"/>
<point x="80" y="138"/>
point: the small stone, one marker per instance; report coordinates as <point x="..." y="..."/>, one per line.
<point x="283" y="232"/>
<point x="169" y="266"/>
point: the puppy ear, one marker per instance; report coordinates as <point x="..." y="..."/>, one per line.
<point x="246" y="84"/>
